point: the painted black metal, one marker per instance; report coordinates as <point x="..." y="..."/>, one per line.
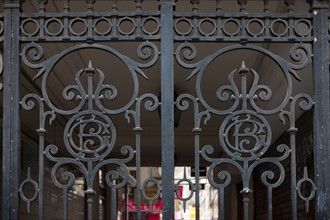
<point x="243" y="32"/>
<point x="167" y="112"/>
<point x="321" y="113"/>
<point x="245" y="115"/>
<point x="11" y="115"/>
<point x="245" y="119"/>
<point x="66" y="21"/>
<point x="89" y="111"/>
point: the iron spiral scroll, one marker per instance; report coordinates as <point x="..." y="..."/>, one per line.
<point x="89" y="135"/>
<point x="81" y="127"/>
<point x="245" y="135"/>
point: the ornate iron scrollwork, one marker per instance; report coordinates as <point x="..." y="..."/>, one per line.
<point x="102" y="26"/>
<point x="245" y="135"/>
<point x="89" y="135"/>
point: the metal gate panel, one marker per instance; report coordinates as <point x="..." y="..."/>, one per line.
<point x="244" y="133"/>
<point x="90" y="134"/>
<point x="89" y="139"/>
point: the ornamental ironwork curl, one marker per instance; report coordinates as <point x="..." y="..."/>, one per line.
<point x="151" y="103"/>
<point x="28" y="103"/>
<point x="89" y="135"/>
<point x="300" y="54"/>
<point x="245" y="169"/>
<point x="32" y="53"/>
<point x="68" y="177"/>
<point x="182" y="103"/>
<point x="245" y="135"/>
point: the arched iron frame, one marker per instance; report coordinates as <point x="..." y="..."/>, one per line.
<point x="238" y="115"/>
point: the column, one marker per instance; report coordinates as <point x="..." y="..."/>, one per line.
<point x="11" y="116"/>
<point x="167" y="109"/>
<point x="320" y="10"/>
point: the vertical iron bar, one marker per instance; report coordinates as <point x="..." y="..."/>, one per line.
<point x="320" y="10"/>
<point x="11" y="116"/>
<point x="138" y="173"/>
<point x="243" y="71"/>
<point x="266" y="17"/>
<point x="41" y="173"/>
<point x="114" y="19"/>
<point x="66" y="8"/>
<point x="293" y="171"/>
<point x="167" y="109"/>
<point x="65" y="204"/>
<point x="246" y="201"/>
<point x="90" y="206"/>
<point x="90" y="72"/>
<point x="266" y="6"/>
<point x="126" y="203"/>
<point x="245" y="192"/>
<point x="90" y="192"/>
<point x="219" y="21"/>
<point x="195" y="20"/>
<point x="197" y="171"/>
<point x="270" y="202"/>
<point x="42" y="6"/>
<point x="6" y="116"/>
<point x="290" y="5"/>
<point x="90" y="21"/>
<point x="222" y="202"/>
<point x="138" y="19"/>
<point x="113" y="203"/>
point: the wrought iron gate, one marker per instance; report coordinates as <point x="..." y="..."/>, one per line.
<point x="82" y="106"/>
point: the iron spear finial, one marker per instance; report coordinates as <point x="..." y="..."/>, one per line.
<point x="243" y="69"/>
